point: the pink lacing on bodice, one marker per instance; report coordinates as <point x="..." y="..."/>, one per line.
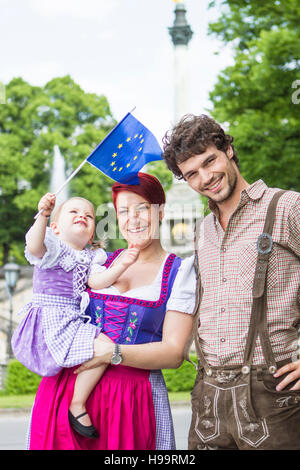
<point x="114" y="318"/>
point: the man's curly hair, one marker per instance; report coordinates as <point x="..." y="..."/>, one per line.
<point x="191" y="136"/>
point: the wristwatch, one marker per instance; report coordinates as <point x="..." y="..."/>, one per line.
<point x="116" y="358"/>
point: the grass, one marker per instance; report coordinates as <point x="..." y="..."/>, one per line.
<point x="26" y="401"/>
<point x="179" y="396"/>
<point x="16" y="401"/>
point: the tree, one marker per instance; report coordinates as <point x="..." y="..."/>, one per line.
<point x="32" y="121"/>
<point x="160" y="170"/>
<point x="255" y="97"/>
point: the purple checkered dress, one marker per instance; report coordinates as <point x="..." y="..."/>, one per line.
<point x="52" y="334"/>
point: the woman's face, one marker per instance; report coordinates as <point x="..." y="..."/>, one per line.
<point x="138" y="219"/>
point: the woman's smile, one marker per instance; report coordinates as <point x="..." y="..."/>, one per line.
<point x="137" y="229"/>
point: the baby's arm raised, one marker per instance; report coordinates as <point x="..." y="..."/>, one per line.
<point x="36" y="234"/>
<point x="109" y="276"/>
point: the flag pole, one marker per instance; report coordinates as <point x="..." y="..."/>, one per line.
<point x="64" y="184"/>
<point x="81" y="165"/>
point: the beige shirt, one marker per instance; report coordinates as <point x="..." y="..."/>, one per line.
<point x="227" y="261"/>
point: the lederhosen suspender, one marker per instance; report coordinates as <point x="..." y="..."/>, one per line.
<point x="258" y="321"/>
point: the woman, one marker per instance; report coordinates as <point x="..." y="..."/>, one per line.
<point x="147" y="313"/>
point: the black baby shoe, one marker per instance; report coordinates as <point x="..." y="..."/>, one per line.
<point x="86" y="431"/>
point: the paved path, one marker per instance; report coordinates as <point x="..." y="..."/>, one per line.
<point x="13" y="428"/>
<point x="182" y="416"/>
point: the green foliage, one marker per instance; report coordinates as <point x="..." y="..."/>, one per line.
<point x="32" y="121"/>
<point x="160" y="170"/>
<point x="243" y="20"/>
<point x="254" y="96"/>
<point x="20" y="380"/>
<point x="181" y="379"/>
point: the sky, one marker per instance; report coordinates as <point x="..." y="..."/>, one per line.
<point x="119" y="48"/>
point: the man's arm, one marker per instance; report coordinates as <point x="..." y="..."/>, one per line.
<point x="293" y="226"/>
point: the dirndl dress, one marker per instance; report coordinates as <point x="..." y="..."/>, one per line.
<point x="128" y="406"/>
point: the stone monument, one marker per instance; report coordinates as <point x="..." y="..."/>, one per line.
<point x="183" y="205"/>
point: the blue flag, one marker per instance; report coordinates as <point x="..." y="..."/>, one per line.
<point x="125" y="150"/>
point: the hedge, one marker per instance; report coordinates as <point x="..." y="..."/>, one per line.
<point x="20" y="380"/>
<point x="181" y="379"/>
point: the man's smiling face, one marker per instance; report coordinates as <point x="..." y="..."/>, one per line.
<point x="211" y="173"/>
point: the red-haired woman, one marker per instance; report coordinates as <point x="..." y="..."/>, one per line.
<point x="147" y="318"/>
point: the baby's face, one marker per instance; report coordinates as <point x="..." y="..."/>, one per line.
<point x="76" y="223"/>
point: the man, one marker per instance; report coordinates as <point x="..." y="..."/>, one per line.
<point x="247" y="392"/>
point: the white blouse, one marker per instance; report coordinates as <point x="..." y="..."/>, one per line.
<point x="182" y="297"/>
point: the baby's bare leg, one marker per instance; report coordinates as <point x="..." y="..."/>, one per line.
<point x="84" y="384"/>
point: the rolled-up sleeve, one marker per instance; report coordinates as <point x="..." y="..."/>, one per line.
<point x="53" y="251"/>
<point x="293" y="241"/>
<point x="97" y="265"/>
<point x="183" y="295"/>
<point x="294" y="228"/>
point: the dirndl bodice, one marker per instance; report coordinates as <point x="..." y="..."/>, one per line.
<point x="128" y="320"/>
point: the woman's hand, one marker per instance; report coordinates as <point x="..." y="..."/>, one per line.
<point x="294" y="369"/>
<point x="130" y="256"/>
<point x="103" y="351"/>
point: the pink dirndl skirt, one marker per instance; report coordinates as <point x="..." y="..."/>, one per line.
<point x="120" y="407"/>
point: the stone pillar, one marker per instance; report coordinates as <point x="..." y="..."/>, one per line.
<point x="183" y="205"/>
<point x="181" y="34"/>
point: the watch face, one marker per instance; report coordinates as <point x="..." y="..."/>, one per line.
<point x="116" y="359"/>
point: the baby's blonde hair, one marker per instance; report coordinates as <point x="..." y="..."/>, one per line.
<point x="57" y="211"/>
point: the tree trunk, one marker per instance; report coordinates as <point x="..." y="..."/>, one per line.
<point x="5" y="252"/>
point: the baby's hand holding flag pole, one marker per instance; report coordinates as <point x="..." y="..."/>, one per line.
<point x="122" y="153"/>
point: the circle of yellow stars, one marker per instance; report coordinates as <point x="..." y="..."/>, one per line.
<point x="137" y="141"/>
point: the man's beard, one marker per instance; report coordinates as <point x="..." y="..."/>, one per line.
<point x="232" y="182"/>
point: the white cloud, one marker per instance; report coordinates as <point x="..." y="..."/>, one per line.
<point x="95" y="10"/>
<point x="119" y="48"/>
<point x="43" y="71"/>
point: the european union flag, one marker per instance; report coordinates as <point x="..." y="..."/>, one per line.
<point x="125" y="150"/>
